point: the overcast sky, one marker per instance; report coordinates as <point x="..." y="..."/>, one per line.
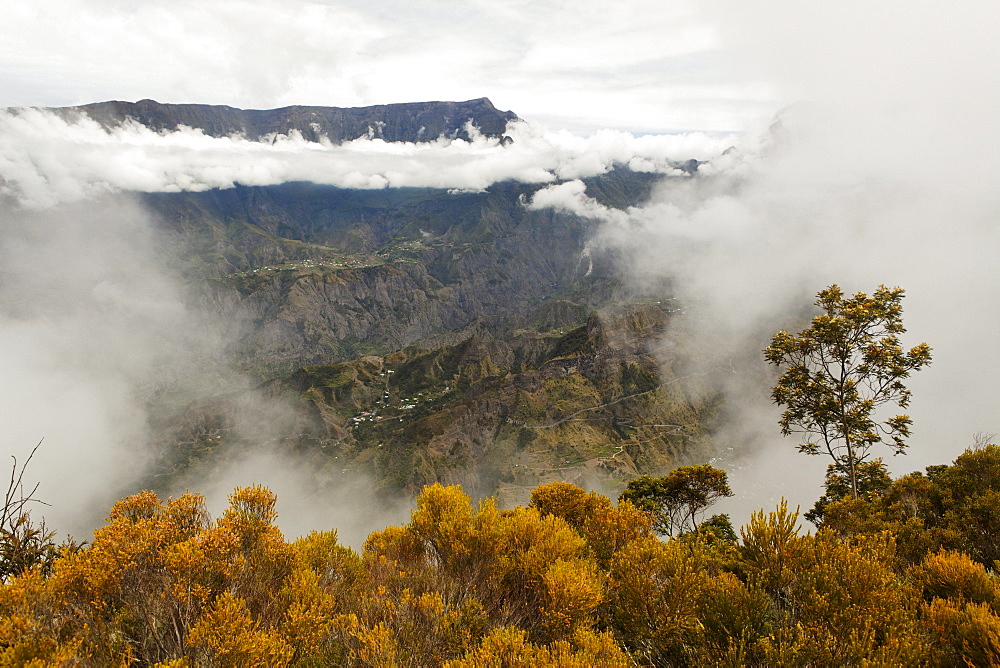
<point x="887" y="172"/>
<point x="638" y="65"/>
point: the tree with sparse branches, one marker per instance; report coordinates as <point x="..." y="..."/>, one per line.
<point x="23" y="543"/>
<point x="840" y="370"/>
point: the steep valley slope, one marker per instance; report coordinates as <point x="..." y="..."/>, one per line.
<point x="418" y="335"/>
<point x="499" y="411"/>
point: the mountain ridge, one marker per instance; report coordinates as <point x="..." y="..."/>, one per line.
<point x="401" y="122"/>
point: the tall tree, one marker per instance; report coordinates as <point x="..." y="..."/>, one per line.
<point x="840" y="370"/>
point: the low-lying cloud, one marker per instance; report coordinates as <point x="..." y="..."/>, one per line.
<point x="91" y="326"/>
<point x="47" y="160"/>
<point x="884" y="173"/>
<point x="747" y="244"/>
<point x="97" y="337"/>
<point x="94" y="324"/>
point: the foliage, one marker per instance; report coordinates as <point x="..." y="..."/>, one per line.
<point x="676" y="501"/>
<point x="948" y="574"/>
<point x="571" y="580"/>
<point x="842" y="368"/>
<point x="605" y="527"/>
<point x="872" y="481"/>
<point x="509" y="646"/>
<point x="153" y="575"/>
<point x="964" y="634"/>
<point x="718" y="529"/>
<point x="23" y="542"/>
<point x="673" y="604"/>
<point x="955" y="507"/>
<point x="839" y="601"/>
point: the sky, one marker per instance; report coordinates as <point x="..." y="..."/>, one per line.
<point x="883" y="170"/>
<point x="636" y="65"/>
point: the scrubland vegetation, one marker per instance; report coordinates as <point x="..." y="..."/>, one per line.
<point x="901" y="575"/>
<point x="900" y="572"/>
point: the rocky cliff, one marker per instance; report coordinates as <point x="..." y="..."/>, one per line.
<point x="317" y="274"/>
<point x="409" y="122"/>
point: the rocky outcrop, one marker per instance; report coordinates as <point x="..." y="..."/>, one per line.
<point x="295" y="317"/>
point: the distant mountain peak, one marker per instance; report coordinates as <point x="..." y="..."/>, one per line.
<point x="405" y="122"/>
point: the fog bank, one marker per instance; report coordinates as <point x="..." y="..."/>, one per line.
<point x="881" y="172"/>
<point x="48" y="160"/>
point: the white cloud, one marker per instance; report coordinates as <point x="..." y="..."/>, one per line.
<point x="91" y="325"/>
<point x="48" y="160"/>
<point x="882" y="175"/>
<point x="223" y="51"/>
<point x="571" y="196"/>
<point x="94" y="330"/>
<point x="91" y="321"/>
<point x="887" y="174"/>
<point x="648" y="66"/>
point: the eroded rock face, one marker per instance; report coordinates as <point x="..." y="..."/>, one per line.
<point x="317" y="274"/>
<point x="409" y="122"/>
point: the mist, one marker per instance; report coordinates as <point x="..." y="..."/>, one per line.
<point x="48" y="160"/>
<point x="95" y="325"/>
<point x="95" y="330"/>
<point x="881" y="170"/>
<point x="90" y="325"/>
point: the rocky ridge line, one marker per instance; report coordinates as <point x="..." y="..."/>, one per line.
<point x="407" y="122"/>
